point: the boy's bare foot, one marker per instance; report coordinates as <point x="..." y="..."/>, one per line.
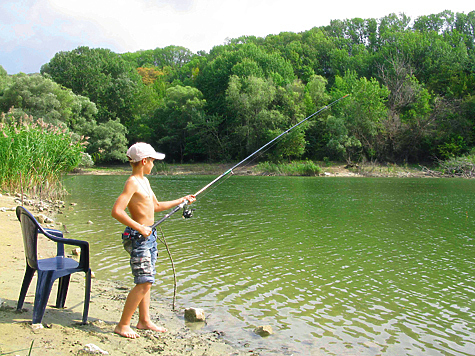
<point x="126" y="331"/>
<point x="150" y="326"/>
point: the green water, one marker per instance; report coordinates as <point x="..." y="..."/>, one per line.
<point x="337" y="266"/>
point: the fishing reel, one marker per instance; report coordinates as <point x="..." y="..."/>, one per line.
<point x="187" y="213"/>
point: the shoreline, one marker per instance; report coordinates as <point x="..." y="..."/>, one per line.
<point x="62" y="333"/>
<point x="334" y="170"/>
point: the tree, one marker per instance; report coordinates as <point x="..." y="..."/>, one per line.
<point x="250" y="99"/>
<point x="4" y="80"/>
<point x="183" y="107"/>
<point x="340" y="145"/>
<point x="102" y="76"/>
<point x="241" y="60"/>
<point x="40" y="97"/>
<point x="364" y="111"/>
<point x="108" y="142"/>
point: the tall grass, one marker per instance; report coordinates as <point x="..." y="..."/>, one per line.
<point x="297" y="168"/>
<point x="33" y="155"/>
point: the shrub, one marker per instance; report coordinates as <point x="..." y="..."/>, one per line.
<point x="460" y="166"/>
<point x="297" y="168"/>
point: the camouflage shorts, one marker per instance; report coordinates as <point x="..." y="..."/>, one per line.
<point x="143" y="255"/>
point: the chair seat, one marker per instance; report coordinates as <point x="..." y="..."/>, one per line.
<point x="57" y="263"/>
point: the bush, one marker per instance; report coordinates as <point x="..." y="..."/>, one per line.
<point x="298" y="168"/>
<point x="460" y="166"/>
<point x="33" y="155"/>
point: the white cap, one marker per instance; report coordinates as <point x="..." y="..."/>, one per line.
<point x="142" y="150"/>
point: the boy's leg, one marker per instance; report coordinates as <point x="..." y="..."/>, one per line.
<point x="144" y="316"/>
<point x="134" y="299"/>
<point x="144" y="306"/>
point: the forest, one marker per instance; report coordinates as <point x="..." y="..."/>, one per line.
<point x="411" y="86"/>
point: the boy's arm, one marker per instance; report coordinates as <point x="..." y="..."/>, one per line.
<point x="165" y="205"/>
<point x="119" y="213"/>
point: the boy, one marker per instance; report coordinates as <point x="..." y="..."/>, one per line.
<point x="142" y="203"/>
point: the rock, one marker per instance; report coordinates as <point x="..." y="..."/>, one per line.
<point x="264" y="330"/>
<point x="74" y="204"/>
<point x="4" y="306"/>
<point x="3" y="210"/>
<point x="40" y="218"/>
<point x="194" y="314"/>
<point x="91" y="349"/>
<point x="90" y="222"/>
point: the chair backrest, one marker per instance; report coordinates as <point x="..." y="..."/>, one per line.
<point x="29" y="230"/>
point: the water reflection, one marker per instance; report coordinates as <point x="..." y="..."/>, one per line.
<point x="336" y="266"/>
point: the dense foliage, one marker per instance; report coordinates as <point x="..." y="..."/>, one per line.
<point x="412" y="86"/>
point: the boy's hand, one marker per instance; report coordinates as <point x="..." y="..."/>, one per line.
<point x="145" y="231"/>
<point x="191" y="198"/>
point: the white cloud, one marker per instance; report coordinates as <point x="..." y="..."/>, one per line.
<point x="49" y="26"/>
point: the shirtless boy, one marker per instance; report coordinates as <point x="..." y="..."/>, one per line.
<point x="142" y="203"/>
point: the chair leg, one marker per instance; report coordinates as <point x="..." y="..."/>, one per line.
<point x="63" y="285"/>
<point x="24" y="287"/>
<point x="43" y="290"/>
<point x="87" y="297"/>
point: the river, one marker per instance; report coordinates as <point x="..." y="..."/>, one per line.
<point x="337" y="266"/>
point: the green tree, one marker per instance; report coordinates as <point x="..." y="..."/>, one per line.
<point x="250" y="99"/>
<point x="183" y="107"/>
<point x="364" y="111"/>
<point x="102" y="76"/>
<point x="108" y="142"/>
<point x="340" y="145"/>
<point x="241" y="60"/>
<point x="40" y="97"/>
<point x="4" y="80"/>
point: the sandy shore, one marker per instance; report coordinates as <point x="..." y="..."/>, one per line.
<point x="62" y="334"/>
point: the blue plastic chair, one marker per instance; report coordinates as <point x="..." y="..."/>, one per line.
<point x="50" y="269"/>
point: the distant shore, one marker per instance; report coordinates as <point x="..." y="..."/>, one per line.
<point x="331" y="170"/>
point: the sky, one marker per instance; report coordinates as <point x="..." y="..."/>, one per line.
<point x="33" y="31"/>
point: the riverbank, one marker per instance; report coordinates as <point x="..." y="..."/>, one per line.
<point x="62" y="334"/>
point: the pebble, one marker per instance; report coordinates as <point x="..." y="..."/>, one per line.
<point x="91" y="349"/>
<point x="264" y="330"/>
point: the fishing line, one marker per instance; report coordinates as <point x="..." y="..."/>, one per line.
<point x="163" y="241"/>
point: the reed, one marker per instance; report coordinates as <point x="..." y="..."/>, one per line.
<point x="34" y="155"/>
<point x="296" y="168"/>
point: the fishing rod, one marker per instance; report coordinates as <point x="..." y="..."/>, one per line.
<point x="189" y="213"/>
